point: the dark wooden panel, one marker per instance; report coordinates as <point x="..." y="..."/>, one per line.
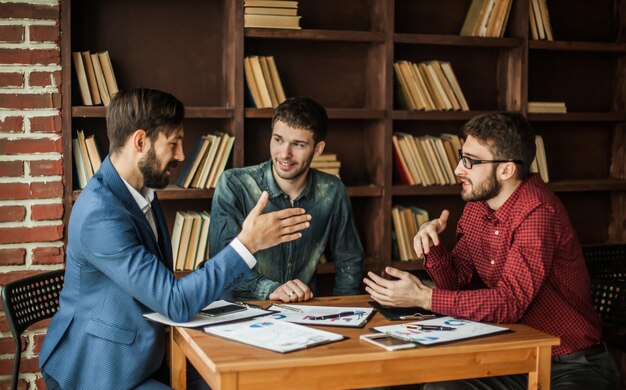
<point x="431" y="17"/>
<point x="583" y="20"/>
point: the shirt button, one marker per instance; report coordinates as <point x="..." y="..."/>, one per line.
<point x="492" y="262"/>
<point x="497" y="232"/>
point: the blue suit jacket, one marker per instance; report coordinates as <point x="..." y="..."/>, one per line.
<point x="115" y="272"/>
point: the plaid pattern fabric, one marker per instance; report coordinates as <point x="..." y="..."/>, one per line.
<point x="529" y="259"/>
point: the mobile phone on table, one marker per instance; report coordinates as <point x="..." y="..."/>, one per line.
<point x="387" y="342"/>
<point x="222" y="310"/>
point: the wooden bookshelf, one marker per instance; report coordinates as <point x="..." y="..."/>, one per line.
<point x="343" y="57"/>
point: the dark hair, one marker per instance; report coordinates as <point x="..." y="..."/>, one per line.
<point x="153" y="111"/>
<point x="303" y="113"/>
<point x="508" y="135"/>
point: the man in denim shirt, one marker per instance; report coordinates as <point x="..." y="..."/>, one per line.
<point x="287" y="272"/>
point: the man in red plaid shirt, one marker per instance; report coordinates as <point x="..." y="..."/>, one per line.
<point x="517" y="237"/>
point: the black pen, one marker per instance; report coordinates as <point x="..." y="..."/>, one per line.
<point x="427" y="327"/>
<point x="336" y="315"/>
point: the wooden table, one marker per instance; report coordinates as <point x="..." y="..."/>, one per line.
<point x="353" y="363"/>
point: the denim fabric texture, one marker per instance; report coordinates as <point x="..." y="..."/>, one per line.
<point x="332" y="232"/>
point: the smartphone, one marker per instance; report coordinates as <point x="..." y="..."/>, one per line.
<point x="387" y="342"/>
<point x="220" y="311"/>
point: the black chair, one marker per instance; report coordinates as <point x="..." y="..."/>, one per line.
<point x="27" y="301"/>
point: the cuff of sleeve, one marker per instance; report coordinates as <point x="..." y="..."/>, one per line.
<point x="435" y="257"/>
<point x="243" y="252"/>
<point x="443" y="302"/>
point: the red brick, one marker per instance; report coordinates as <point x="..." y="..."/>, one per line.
<point x="11" y="33"/>
<point x="40" y="384"/>
<point x="45" y="79"/>
<point x="46" y="124"/>
<point x="49" y="255"/>
<point x="46" y="212"/>
<point x="37" y="342"/>
<point x="22" y="384"/>
<point x="46" y="167"/>
<point x="30" y="57"/>
<point x="7" y="345"/>
<point x="22" y="101"/>
<point x="12" y="256"/>
<point x="14" y="191"/>
<point x="30" y="145"/>
<point x="31" y="234"/>
<point x="26" y="365"/>
<point x="44" y="33"/>
<point x="11" y="169"/>
<point x="12" y="124"/>
<point x="12" y="213"/>
<point x="46" y="190"/>
<point x="11" y="79"/>
<point x="29" y="11"/>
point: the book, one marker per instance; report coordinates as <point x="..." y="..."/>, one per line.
<point x="446" y="67"/>
<point x="81" y="174"/>
<point x="253" y="87"/>
<point x="91" y="77"/>
<point x="351" y="317"/>
<point x="176" y="234"/>
<point x="181" y="255"/>
<point x="272" y="21"/>
<point x="472" y="17"/>
<point x="268" y="80"/>
<point x="202" y="175"/>
<point x="81" y="76"/>
<point x="461" y="330"/>
<point x="192" y="162"/>
<point x="221" y="159"/>
<point x="270" y="3"/>
<point x="102" y="86"/>
<point x="545" y="19"/>
<point x="274" y="335"/>
<point x="203" y="242"/>
<point x="204" y="320"/>
<point x="276" y="81"/>
<point x="270" y="11"/>
<point x="400" y="164"/>
<point x="94" y="154"/>
<point x="264" y="93"/>
<point x="194" y="238"/>
<point x="540" y="156"/>
<point x="85" y="154"/>
<point x="109" y="75"/>
<point x="445" y="83"/>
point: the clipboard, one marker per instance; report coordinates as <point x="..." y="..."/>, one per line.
<point x="349" y="317"/>
<point x="205" y="320"/>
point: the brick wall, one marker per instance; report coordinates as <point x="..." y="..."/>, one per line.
<point x="31" y="166"/>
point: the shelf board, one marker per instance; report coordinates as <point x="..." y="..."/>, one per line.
<point x="365" y="191"/>
<point x="333" y="113"/>
<point x="579" y="185"/>
<point x="413" y="265"/>
<point x="369" y="264"/>
<point x="172" y="192"/>
<point x="600" y="47"/>
<point x="405" y="115"/>
<point x="457" y="40"/>
<point x="578" y="117"/>
<point x="315" y="35"/>
<point x="190" y="112"/>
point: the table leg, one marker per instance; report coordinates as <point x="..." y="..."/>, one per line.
<point x="178" y="364"/>
<point x="540" y="377"/>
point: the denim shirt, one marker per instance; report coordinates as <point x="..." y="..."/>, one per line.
<point x="332" y="232"/>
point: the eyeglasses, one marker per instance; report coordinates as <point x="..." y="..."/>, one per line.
<point x="468" y="162"/>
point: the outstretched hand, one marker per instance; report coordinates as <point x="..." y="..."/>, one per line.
<point x="261" y="231"/>
<point x="429" y="234"/>
<point x="405" y="291"/>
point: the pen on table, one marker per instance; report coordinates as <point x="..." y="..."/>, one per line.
<point x="288" y="307"/>
<point x="336" y="315"/>
<point x="427" y="327"/>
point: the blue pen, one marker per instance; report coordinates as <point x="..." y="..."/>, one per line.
<point x="336" y="315"/>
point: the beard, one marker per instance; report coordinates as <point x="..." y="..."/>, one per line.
<point x="485" y="190"/>
<point x="302" y="170"/>
<point x="153" y="177"/>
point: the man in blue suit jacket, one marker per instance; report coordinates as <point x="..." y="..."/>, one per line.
<point x="119" y="257"/>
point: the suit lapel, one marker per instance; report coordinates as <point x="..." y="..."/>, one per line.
<point x="165" y="245"/>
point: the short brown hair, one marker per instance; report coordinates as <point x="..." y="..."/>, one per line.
<point x="508" y="135"/>
<point x="303" y="113"/>
<point x="141" y="108"/>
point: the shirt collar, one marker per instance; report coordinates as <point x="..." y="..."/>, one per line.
<point x="503" y="212"/>
<point x="273" y="188"/>
<point x="143" y="198"/>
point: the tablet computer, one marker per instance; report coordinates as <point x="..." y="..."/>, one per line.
<point x="387" y="342"/>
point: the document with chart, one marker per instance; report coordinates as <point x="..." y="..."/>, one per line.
<point x="353" y="317"/>
<point x="277" y="336"/>
<point x="440" y="330"/>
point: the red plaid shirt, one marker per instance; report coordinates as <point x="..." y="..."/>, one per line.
<point x="529" y="258"/>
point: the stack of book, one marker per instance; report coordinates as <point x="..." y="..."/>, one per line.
<point x="266" y="89"/>
<point x="95" y="76"/>
<point x="327" y="163"/>
<point x="86" y="157"/>
<point x="190" y="239"/>
<point x="547" y="107"/>
<point x="206" y="162"/>
<point x="426" y="160"/>
<point x="540" y="164"/>
<point x="406" y="223"/>
<point x="540" y="27"/>
<point x="486" y="18"/>
<point x="271" y="14"/>
<point x="428" y="86"/>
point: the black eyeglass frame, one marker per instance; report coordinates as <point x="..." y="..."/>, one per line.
<point x="473" y="162"/>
